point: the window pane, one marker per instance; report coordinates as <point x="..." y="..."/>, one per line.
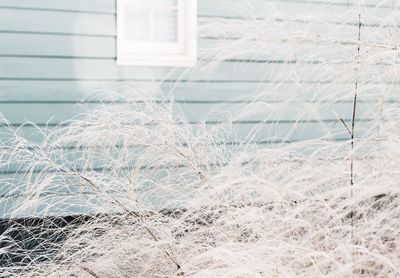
<point x="165" y="25"/>
<point x="137" y="23"/>
<point x="165" y="3"/>
<point x="140" y="3"/>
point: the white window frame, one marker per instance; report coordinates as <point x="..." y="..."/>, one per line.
<point x="182" y="53"/>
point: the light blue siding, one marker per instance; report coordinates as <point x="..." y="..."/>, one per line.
<point x="54" y="53"/>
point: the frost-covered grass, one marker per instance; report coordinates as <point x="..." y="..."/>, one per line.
<point x="171" y="198"/>
<point x="177" y="202"/>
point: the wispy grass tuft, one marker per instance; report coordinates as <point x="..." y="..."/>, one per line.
<point x="146" y="191"/>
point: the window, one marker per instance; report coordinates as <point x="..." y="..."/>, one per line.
<point x="157" y="32"/>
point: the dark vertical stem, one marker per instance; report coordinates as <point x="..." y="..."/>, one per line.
<point x="353" y="118"/>
<point x="353" y="121"/>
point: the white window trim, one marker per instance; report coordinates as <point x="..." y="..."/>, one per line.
<point x="181" y="54"/>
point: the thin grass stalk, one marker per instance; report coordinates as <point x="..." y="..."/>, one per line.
<point x="353" y="116"/>
<point x="353" y="124"/>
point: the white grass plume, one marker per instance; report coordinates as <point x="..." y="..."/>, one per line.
<point x="165" y="197"/>
<point x="177" y="202"/>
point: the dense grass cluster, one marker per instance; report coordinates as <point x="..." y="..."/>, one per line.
<point x="148" y="193"/>
<point x="177" y="202"/>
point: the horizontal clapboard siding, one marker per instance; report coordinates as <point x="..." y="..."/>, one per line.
<point x="57" y="55"/>
<point x="231" y="91"/>
<point x="43" y="45"/>
<point x="40" y="60"/>
<point x="264" y="131"/>
<point x="203" y="111"/>
<point x="56" y="65"/>
<point x="73" y="68"/>
<point x="208" y="7"/>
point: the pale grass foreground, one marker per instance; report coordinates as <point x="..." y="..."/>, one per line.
<point x="168" y="200"/>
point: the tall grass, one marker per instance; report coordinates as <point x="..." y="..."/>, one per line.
<point x="162" y="196"/>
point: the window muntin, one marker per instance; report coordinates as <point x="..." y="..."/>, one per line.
<point x="157" y="32"/>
